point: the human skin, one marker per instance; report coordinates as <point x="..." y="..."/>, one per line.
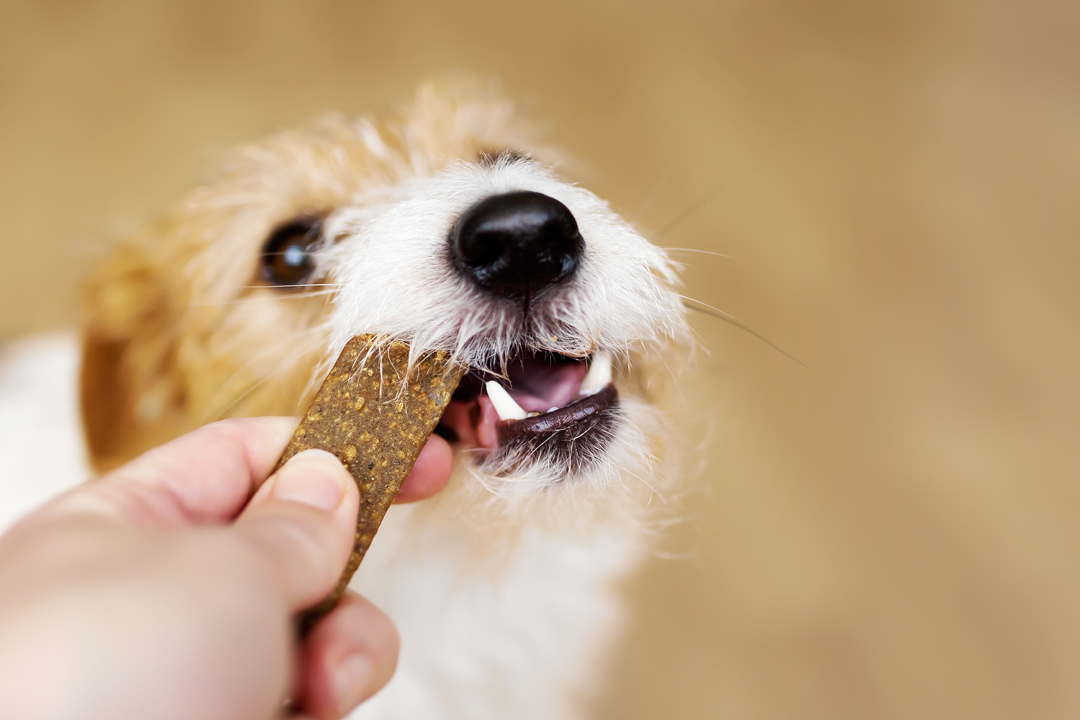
<point x="168" y="588"/>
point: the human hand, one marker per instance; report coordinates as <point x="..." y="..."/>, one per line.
<point x="160" y="591"/>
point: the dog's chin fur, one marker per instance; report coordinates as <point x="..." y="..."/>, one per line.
<point x="180" y="329"/>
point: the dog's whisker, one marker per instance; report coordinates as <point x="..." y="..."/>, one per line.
<point x="706" y="309"/>
<point x="697" y="250"/>
<point x="282" y="296"/>
<point x="686" y="214"/>
<point x="253" y="387"/>
<point x="294" y="287"/>
<point x="283" y="341"/>
<point x="657" y="187"/>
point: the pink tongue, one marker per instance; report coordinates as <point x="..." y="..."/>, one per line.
<point x="540" y="387"/>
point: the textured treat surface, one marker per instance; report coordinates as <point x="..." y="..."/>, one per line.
<point x="375" y="414"/>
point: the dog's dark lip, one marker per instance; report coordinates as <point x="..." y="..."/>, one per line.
<point x="577" y="418"/>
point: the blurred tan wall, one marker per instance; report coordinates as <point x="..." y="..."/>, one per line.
<point x="888" y="532"/>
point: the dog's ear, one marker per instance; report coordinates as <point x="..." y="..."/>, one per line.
<point x="132" y="393"/>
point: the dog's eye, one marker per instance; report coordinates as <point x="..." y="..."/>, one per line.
<point x="288" y="256"/>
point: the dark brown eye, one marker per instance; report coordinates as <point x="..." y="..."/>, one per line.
<point x="288" y="255"/>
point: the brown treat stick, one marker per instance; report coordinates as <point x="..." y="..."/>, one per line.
<point x="376" y="421"/>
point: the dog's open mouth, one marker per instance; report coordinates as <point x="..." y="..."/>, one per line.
<point x="545" y="403"/>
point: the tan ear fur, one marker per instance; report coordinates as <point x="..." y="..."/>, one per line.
<point x="131" y="394"/>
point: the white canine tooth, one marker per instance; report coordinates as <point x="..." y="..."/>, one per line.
<point x="599" y="374"/>
<point x="505" y="406"/>
<point x="553" y="408"/>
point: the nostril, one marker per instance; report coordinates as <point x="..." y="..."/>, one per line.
<point x="517" y="244"/>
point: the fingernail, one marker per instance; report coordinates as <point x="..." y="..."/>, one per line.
<point x="351" y="680"/>
<point x="313" y="477"/>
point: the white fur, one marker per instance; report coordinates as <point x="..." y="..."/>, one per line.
<point x="519" y="637"/>
<point x="41" y="447"/>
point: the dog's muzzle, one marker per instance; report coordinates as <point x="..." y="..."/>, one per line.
<point x="517" y="247"/>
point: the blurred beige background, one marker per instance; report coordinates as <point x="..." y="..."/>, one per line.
<point x="888" y="532"/>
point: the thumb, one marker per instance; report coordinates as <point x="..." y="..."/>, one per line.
<point x="302" y="521"/>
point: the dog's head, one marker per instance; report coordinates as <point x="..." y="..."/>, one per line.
<point x="443" y="227"/>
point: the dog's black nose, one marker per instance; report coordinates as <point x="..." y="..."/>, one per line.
<point x="517" y="244"/>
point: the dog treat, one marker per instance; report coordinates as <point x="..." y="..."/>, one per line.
<point x="375" y="420"/>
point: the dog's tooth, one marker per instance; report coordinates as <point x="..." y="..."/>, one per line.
<point x="505" y="406"/>
<point x="599" y="374"/>
<point x="553" y="408"/>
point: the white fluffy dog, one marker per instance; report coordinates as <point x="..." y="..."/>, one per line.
<point x="444" y="226"/>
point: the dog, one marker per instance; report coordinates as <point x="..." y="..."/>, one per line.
<point x="447" y="226"/>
